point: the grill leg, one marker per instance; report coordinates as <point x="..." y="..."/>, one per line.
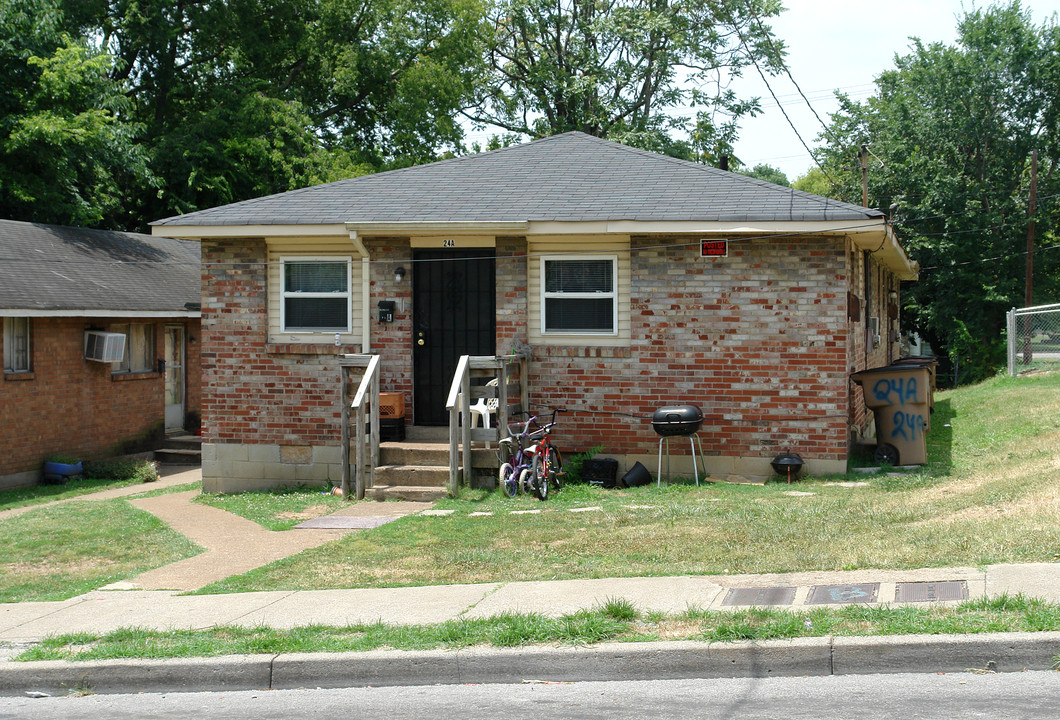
<point x="658" y="475"/>
<point x="695" y="468"/>
<point x="695" y="465"/>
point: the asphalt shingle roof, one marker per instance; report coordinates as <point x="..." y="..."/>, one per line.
<point x="50" y="267"/>
<point x="571" y="177"/>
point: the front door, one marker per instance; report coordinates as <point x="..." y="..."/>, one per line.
<point x="453" y="314"/>
<point x="174" y="377"/>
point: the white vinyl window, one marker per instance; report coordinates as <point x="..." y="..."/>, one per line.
<point x="139" y="348"/>
<point x="16" y="344"/>
<point x="316" y="296"/>
<point x="579" y="295"/>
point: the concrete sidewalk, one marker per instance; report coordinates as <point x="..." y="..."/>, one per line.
<point x="99" y="612"/>
<point x="103" y="611"/>
<point x="234" y="546"/>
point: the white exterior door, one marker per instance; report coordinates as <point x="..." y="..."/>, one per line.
<point x="174" y="378"/>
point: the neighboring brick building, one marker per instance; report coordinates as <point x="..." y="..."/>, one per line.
<point x="636" y="280"/>
<point x="57" y="286"/>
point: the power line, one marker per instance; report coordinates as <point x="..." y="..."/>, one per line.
<point x="754" y="61"/>
<point x="784" y="65"/>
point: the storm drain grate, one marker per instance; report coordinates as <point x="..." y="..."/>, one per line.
<point x="842" y="594"/>
<point x="760" y="596"/>
<point x="911" y="592"/>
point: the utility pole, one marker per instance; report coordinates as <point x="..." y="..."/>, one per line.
<point x="1028" y="292"/>
<point x="863" y="156"/>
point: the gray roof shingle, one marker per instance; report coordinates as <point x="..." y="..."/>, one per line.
<point x="570" y="177"/>
<point x="55" y="268"/>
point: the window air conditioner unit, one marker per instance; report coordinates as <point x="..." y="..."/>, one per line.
<point x="105" y="347"/>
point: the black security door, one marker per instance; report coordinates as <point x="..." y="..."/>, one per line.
<point x="453" y="314"/>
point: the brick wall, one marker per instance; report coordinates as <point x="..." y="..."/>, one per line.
<point x="393" y="341"/>
<point x="872" y="293"/>
<point x="757" y="340"/>
<point x="71" y="405"/>
<point x="254" y="392"/>
<point x="760" y="340"/>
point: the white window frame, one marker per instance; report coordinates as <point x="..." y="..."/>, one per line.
<point x="613" y="294"/>
<point x="144" y="364"/>
<point x="11" y="365"/>
<point x="348" y="294"/>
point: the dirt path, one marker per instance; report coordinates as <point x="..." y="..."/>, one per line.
<point x="233" y="544"/>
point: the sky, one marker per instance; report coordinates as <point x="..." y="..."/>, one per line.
<point x="834" y="44"/>
<point x="839" y="44"/>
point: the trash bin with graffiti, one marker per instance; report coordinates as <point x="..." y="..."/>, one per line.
<point x="931" y="363"/>
<point x="899" y="396"/>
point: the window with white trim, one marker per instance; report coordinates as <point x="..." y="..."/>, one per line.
<point x="579" y="295"/>
<point x="139" y="348"/>
<point x="316" y="296"/>
<point x="16" y="344"/>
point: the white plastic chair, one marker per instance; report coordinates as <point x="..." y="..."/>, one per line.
<point x="480" y="411"/>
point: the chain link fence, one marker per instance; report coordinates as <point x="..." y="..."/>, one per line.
<point x="1033" y="339"/>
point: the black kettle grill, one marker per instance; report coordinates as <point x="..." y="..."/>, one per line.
<point x="678" y="421"/>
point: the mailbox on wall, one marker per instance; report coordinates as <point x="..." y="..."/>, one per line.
<point x="386" y="311"/>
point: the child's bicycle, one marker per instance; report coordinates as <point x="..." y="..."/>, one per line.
<point x="526" y="465"/>
<point x="516" y="453"/>
<point x="547" y="466"/>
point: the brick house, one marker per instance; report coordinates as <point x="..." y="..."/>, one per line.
<point x="633" y="280"/>
<point x="129" y="300"/>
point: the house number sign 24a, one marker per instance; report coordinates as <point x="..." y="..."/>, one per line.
<point x="449" y="243"/>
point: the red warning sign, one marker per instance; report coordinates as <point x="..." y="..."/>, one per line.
<point x="714" y="248"/>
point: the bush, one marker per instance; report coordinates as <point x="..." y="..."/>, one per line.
<point x="121" y="469"/>
<point x="572" y="470"/>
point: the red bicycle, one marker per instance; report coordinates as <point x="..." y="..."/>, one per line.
<point x="547" y="467"/>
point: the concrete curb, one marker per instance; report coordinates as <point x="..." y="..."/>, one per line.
<point x="1001" y="652"/>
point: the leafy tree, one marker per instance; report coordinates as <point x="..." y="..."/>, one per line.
<point x="953" y="128"/>
<point x="762" y="171"/>
<point x="242" y="98"/>
<point x="619" y="68"/>
<point x="67" y="149"/>
<point x="814" y="181"/>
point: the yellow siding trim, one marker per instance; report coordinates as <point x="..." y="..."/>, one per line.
<point x="314" y="247"/>
<point x="443" y="242"/>
<point x="538" y="246"/>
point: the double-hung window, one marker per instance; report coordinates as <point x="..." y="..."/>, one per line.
<point x="139" y="348"/>
<point x="16" y="344"/>
<point x="316" y="296"/>
<point x="579" y="295"/>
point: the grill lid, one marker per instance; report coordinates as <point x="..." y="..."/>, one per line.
<point x="677" y="420"/>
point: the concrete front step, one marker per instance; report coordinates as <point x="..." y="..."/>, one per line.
<point x="414" y="453"/>
<point x="406" y="492"/>
<point x="412" y="475"/>
<point x="183" y="441"/>
<point x="178" y="456"/>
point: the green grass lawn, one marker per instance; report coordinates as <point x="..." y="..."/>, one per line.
<point x="61" y="551"/>
<point x="989" y="494"/>
<point x="615" y="621"/>
<point x="278" y="510"/>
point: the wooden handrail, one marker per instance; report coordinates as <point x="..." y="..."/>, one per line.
<point x="367" y="394"/>
<point x="458" y="404"/>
